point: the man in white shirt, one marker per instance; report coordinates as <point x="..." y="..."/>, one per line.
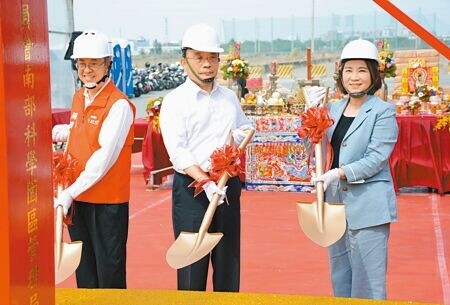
<point x="196" y="118"/>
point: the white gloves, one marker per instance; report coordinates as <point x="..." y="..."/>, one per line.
<point x="65" y="200"/>
<point x="239" y="135"/>
<point x="60" y="132"/>
<point x="211" y="188"/>
<point x="316" y="95"/>
<point x="328" y="178"/>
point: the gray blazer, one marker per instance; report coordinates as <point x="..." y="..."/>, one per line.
<point x="368" y="193"/>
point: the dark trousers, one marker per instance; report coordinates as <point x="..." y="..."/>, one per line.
<point x="187" y="215"/>
<point x="103" y="229"/>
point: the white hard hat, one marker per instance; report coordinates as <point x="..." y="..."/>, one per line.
<point x="201" y="37"/>
<point x="91" y="44"/>
<point x="360" y="49"/>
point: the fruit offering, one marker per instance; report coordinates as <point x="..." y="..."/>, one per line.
<point x="249" y="99"/>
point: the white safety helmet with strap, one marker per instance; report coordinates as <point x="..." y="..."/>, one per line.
<point x="360" y="49"/>
<point x="91" y="44"/>
<point x="201" y="37"/>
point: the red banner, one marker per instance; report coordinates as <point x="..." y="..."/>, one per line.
<point x="26" y="217"/>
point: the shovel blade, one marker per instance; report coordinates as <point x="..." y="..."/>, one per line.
<point x="325" y="231"/>
<point x="68" y="261"/>
<point x="186" y="249"/>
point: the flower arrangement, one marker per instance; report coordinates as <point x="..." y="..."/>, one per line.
<point x="235" y="68"/>
<point x="153" y="109"/>
<point x="443" y="122"/>
<point x="414" y="105"/>
<point x="386" y="58"/>
<point x="424" y="92"/>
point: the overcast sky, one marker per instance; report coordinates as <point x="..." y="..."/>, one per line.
<point x="167" y="19"/>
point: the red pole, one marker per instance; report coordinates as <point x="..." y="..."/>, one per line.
<point x="308" y="64"/>
<point x="414" y="27"/>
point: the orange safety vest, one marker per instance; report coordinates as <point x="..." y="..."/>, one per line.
<point x="114" y="186"/>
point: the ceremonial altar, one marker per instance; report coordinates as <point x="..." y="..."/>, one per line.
<point x="277" y="159"/>
<point x="149" y="141"/>
<point x="421" y="156"/>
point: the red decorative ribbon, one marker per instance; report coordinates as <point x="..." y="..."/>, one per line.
<point x="198" y="184"/>
<point x="65" y="170"/>
<point x="315" y="122"/>
<point x="226" y="159"/>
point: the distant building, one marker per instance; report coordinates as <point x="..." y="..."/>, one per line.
<point x="143" y="45"/>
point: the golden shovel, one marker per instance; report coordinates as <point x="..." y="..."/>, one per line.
<point x="67" y="255"/>
<point x="322" y="222"/>
<point x="191" y="247"/>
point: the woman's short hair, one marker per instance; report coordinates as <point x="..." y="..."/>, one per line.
<point x="374" y="70"/>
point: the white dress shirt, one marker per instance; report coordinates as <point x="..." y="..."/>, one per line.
<point x="194" y="123"/>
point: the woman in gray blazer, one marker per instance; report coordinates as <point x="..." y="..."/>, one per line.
<point x="363" y="136"/>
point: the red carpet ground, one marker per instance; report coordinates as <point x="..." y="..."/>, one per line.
<point x="278" y="259"/>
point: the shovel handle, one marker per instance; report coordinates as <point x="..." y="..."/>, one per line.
<point x="59" y="229"/>
<point x="319" y="172"/>
<point x="207" y="218"/>
<point x="247" y="138"/>
<point x="209" y="214"/>
<point x="58" y="234"/>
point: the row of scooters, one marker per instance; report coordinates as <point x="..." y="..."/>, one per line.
<point x="157" y="77"/>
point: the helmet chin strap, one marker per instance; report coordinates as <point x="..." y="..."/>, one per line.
<point x="206" y="80"/>
<point x="361" y="93"/>
<point x="93" y="85"/>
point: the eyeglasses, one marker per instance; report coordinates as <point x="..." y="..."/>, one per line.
<point x="92" y="66"/>
<point x="210" y="59"/>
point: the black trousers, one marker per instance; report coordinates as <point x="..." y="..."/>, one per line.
<point x="187" y="215"/>
<point x="103" y="229"/>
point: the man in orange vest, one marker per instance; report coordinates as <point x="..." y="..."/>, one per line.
<point x="100" y="135"/>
